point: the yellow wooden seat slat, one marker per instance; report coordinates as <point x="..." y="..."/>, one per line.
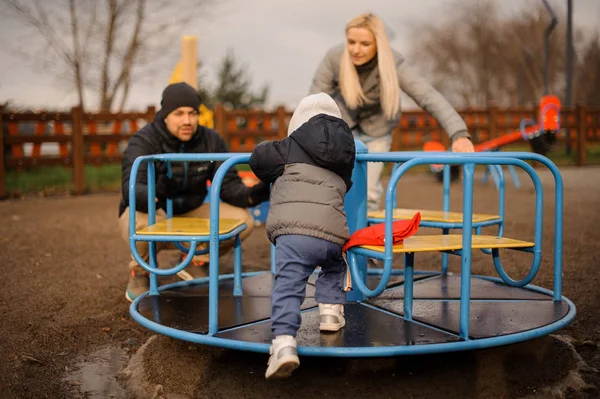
<point x="450" y="242"/>
<point x="179" y="226"/>
<point x="432" y="216"/>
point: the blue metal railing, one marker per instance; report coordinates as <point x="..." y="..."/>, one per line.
<point x="213" y="239"/>
<point x="468" y="161"/>
<point x="409" y="160"/>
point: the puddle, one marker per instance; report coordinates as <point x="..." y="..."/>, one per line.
<point x="95" y="377"/>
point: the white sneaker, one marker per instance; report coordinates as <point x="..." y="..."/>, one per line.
<point x="284" y="357"/>
<point x="331" y="317"/>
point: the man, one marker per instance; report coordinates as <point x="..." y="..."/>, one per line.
<point x="175" y="129"/>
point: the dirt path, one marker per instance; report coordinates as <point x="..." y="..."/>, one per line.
<point x="63" y="268"/>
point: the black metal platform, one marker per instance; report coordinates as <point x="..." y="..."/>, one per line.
<point x="496" y="309"/>
<point x="186" y="308"/>
<point x="365" y="327"/>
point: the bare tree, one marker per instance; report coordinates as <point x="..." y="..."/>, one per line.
<point x="102" y="46"/>
<point x="587" y="78"/>
<point x="477" y="56"/>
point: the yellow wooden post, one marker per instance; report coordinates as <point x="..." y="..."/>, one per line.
<point x="189" y="61"/>
<point x="186" y="71"/>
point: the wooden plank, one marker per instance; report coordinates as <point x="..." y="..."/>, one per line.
<point x="59" y="131"/>
<point x="181" y="226"/>
<point x="451" y="242"/>
<point x="13" y="140"/>
<point x="40" y="130"/>
<point x="35" y="117"/>
<point x="112" y="146"/>
<point x="234" y="142"/>
<point x="13" y="130"/>
<point x="93" y="131"/>
<point x="2" y="171"/>
<point x="78" y="152"/>
<point x="105" y="138"/>
<point x="432" y="215"/>
<point x="581" y="136"/>
<point x="108" y="117"/>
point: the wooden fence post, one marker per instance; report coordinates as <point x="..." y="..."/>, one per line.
<point x="581" y="134"/>
<point x="78" y="152"/>
<point x="396" y="145"/>
<point x="281" y="126"/>
<point x="220" y="121"/>
<point x="492" y="122"/>
<point x="2" y="172"/>
<point x="150" y="114"/>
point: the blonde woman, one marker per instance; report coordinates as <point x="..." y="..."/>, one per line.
<point x="364" y="76"/>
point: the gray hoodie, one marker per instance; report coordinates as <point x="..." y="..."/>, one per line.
<point x="370" y="118"/>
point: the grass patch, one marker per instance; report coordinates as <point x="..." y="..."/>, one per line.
<point x="52" y="180"/>
<point x="56" y="180"/>
<point x="56" y="177"/>
<point x="103" y="178"/>
<point x="558" y="154"/>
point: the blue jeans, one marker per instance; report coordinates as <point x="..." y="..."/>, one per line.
<point x="296" y="257"/>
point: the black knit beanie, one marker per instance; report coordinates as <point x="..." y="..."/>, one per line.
<point x="178" y="95"/>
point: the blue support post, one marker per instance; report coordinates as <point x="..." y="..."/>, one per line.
<point x="151" y="220"/>
<point x="409" y="261"/>
<point x="273" y="260"/>
<point x="465" y="277"/>
<point x="513" y="173"/>
<point x="237" y="266"/>
<point x="355" y="206"/>
<point x="169" y="200"/>
<point x="446" y="208"/>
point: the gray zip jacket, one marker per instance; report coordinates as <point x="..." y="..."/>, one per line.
<point x="369" y="117"/>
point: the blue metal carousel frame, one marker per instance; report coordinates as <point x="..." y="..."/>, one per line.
<point x="391" y="311"/>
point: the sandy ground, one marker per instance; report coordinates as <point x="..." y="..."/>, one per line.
<point x="65" y="329"/>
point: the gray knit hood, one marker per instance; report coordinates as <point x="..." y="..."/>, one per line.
<point x="310" y="106"/>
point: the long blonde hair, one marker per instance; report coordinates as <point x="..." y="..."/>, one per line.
<point x="389" y="91"/>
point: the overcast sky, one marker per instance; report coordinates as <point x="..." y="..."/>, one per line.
<point x="280" y="41"/>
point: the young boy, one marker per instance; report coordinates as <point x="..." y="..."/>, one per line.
<point x="311" y="170"/>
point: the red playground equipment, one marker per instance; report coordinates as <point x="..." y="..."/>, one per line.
<point x="548" y="123"/>
<point x="540" y="135"/>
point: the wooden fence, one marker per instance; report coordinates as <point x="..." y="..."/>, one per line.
<point x="98" y="138"/>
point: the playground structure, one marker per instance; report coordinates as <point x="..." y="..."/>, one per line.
<point x="425" y="311"/>
<point x="446" y="219"/>
<point x="540" y="135"/>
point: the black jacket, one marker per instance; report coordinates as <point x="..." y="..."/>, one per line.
<point x="191" y="177"/>
<point x="323" y="141"/>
